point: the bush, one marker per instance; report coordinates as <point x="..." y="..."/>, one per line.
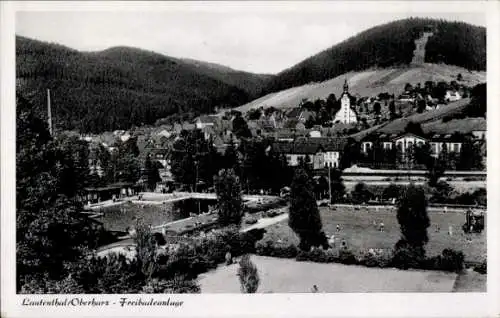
<point x="347" y="257"/>
<point x="272" y="213"/>
<point x="251" y="220"/>
<point x="376" y="259"/>
<point x="451" y="260"/>
<point x="248" y="275"/>
<point x="176" y="285"/>
<point x="267" y="247"/>
<point x="481" y="268"/>
<point x="205" y="252"/>
<point x="407" y="256"/>
<point x="317" y="255"/>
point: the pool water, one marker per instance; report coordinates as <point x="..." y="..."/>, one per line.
<point x="120" y="217"/>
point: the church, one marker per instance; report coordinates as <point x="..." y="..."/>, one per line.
<point x="346" y="114"/>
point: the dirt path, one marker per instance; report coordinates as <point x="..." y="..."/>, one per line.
<point x="419" y="52"/>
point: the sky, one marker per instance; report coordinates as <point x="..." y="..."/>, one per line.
<point x="259" y="41"/>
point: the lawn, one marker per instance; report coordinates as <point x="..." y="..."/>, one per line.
<point x="358" y="231"/>
<point x="289" y="276"/>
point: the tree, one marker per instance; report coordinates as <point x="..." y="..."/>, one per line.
<point x="304" y="218"/>
<point x="240" y="128"/>
<point x="337" y="185"/>
<point x="74" y="169"/>
<point x="248" y="275"/>
<point x="477" y="105"/>
<point x="231" y="157"/>
<point x="435" y="170"/>
<point x="255" y="164"/>
<point x="470" y="156"/>
<point x="422" y="153"/>
<point x="229" y="201"/>
<point x="351" y="153"/>
<point x="321" y="187"/>
<point x="145" y="246"/>
<point x="360" y="193"/>
<point x="414" y="128"/>
<point x="124" y="162"/>
<point x="421" y="104"/>
<point x="413" y="221"/>
<point x="408" y="87"/>
<point x="254" y="114"/>
<point x="192" y="159"/>
<point x="50" y="230"/>
<point x="377" y="108"/>
<point x="310" y="122"/>
<point x="331" y="104"/>
<point x="392" y="109"/>
<point x="393" y="191"/>
<point x="152" y="173"/>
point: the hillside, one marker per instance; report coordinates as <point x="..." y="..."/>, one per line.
<point x="251" y="83"/>
<point x="389" y="45"/>
<point x="433" y="121"/>
<point x="368" y="83"/>
<point x="120" y="87"/>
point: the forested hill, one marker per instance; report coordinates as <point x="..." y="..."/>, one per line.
<point x="249" y="82"/>
<point x="391" y="44"/>
<point x="120" y="87"/>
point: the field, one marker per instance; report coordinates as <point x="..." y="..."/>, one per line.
<point x="289" y="276"/>
<point x="358" y="230"/>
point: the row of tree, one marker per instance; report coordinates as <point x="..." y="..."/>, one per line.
<point x="194" y="160"/>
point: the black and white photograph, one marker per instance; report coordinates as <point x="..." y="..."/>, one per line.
<point x="249" y="149"/>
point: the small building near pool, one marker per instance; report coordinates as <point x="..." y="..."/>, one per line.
<point x="117" y="190"/>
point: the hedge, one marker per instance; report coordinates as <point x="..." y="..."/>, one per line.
<point x="449" y="260"/>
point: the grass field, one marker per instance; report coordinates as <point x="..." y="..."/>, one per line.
<point x="358" y="231"/>
<point x="289" y="276"/>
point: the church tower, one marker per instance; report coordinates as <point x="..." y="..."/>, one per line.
<point x="346" y="114"/>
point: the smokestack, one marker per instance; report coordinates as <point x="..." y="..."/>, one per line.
<point x="49" y="112"/>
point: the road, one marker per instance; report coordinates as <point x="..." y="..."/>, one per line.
<point x="265" y="222"/>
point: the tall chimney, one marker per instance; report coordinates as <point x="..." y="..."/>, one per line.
<point x="49" y="112"/>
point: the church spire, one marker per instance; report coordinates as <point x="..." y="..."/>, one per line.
<point x="346" y="86"/>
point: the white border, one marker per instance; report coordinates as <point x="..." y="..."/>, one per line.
<point x="276" y="305"/>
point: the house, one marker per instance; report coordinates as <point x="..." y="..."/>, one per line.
<point x="314" y="133"/>
<point x="479" y="131"/>
<point x="95" y="165"/>
<point x="159" y="154"/>
<point x="345" y="114"/>
<point x="406" y="141"/>
<point x="204" y="121"/>
<point x="406" y="98"/>
<point x="165" y="133"/>
<point x="302" y="115"/>
<point x="322" y="152"/>
<point x="285" y="134"/>
<point x="452" y="96"/>
<point x="208" y="132"/>
<point x="452" y="142"/>
<point x="300" y="126"/>
<point x="297" y="151"/>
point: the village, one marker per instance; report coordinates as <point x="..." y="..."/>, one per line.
<point x="361" y="169"/>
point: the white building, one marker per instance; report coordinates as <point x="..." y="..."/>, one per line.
<point x="452" y="96"/>
<point x="346" y="114"/>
